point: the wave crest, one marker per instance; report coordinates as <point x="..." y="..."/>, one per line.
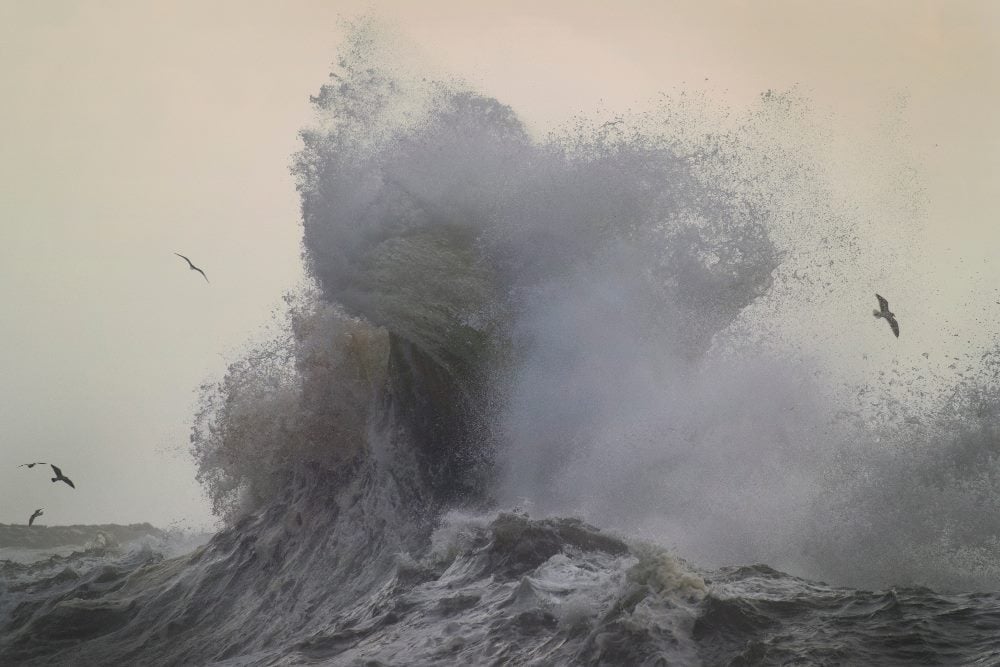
<point x="295" y="403"/>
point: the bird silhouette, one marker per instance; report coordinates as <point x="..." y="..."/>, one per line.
<point x="34" y="516"/>
<point x="61" y="477"/>
<point x="32" y="465"/>
<point x="193" y="267"/>
<point x="883" y="311"/>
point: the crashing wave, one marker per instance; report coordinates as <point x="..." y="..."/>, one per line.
<point x="498" y="320"/>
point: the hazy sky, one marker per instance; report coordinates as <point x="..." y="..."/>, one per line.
<point x="136" y="129"/>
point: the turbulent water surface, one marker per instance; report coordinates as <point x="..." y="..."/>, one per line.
<point x="543" y="404"/>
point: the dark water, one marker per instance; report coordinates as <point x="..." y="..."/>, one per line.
<point x="40" y="537"/>
<point x="759" y="616"/>
<point x="504" y="334"/>
<point x="488" y="589"/>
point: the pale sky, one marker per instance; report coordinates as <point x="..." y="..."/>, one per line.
<point x="133" y="130"/>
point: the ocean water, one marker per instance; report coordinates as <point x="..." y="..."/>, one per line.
<point x="543" y="405"/>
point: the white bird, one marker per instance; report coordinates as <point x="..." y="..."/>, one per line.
<point x="34" y="516"/>
<point x="883" y="311"/>
<point x="193" y="267"/>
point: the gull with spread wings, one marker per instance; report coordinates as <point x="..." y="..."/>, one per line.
<point x="61" y="477"/>
<point x="192" y="266"/>
<point x="883" y="311"/>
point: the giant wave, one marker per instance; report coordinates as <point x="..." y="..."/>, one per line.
<point x="513" y="421"/>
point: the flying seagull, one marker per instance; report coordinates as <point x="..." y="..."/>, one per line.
<point x="193" y="267"/>
<point x="883" y="311"/>
<point x="32" y="465"/>
<point x="61" y="477"/>
<point x="34" y="516"/>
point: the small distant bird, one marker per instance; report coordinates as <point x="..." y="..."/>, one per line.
<point x="32" y="465"/>
<point x="883" y="311"/>
<point x="34" y="516"/>
<point x="61" y="477"/>
<point x="193" y="267"/>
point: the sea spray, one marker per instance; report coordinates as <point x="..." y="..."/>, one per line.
<point x="603" y="323"/>
<point x="597" y="324"/>
<point x="300" y="401"/>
